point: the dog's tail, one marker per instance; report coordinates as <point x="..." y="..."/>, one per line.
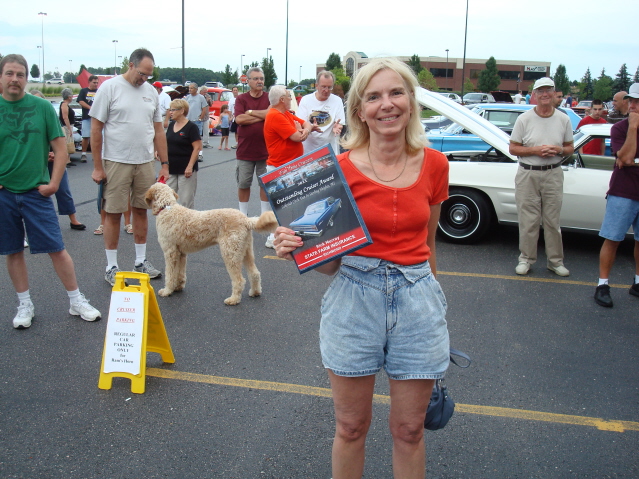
<point x="266" y="223"/>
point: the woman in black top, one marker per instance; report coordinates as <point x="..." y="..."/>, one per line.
<point x="184" y="143"/>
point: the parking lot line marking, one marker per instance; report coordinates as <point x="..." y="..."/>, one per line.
<point x="273" y="257"/>
<point x="527" y="278"/>
<point x="601" y="424"/>
<point x="514" y="278"/>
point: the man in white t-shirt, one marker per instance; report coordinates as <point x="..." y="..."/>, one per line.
<point x="126" y="131"/>
<point x="198" y="110"/>
<point x="517" y="98"/>
<point x="164" y="100"/>
<point x="235" y="92"/>
<point x="325" y="110"/>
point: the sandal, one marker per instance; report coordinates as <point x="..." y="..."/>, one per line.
<point x="99" y="230"/>
<point x="129" y="229"/>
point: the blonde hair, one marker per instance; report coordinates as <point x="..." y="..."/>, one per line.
<point x="358" y="133"/>
<point x="180" y="103"/>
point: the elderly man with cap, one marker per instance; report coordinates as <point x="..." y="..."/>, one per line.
<point x="164" y="102"/>
<point x="541" y="138"/>
<point x="622" y="205"/>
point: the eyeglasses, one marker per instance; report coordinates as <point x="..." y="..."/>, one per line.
<point x="328" y="88"/>
<point x="144" y="75"/>
<point x="257" y="78"/>
<point x="176" y="109"/>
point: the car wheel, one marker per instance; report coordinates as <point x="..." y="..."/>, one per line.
<point x="465" y="216"/>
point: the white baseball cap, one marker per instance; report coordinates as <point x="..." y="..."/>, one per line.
<point x="545" y="81"/>
<point x="634" y="91"/>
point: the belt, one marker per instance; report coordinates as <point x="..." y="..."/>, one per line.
<point x="526" y="166"/>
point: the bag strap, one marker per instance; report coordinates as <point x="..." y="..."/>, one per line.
<point x="456" y="352"/>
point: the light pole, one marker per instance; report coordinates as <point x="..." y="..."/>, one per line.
<point x="464" y="61"/>
<point x="267" y="50"/>
<point x="39" y="64"/>
<point x="119" y="58"/>
<point x="43" y="15"/>
<point x="447" y="69"/>
<point x="71" y="71"/>
<point x="115" y="57"/>
<point x="300" y="75"/>
<point x="286" y="64"/>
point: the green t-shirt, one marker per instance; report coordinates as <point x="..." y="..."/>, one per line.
<point x="26" y="128"/>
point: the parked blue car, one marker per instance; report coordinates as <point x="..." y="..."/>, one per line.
<point x="317" y="217"/>
<point x="502" y="115"/>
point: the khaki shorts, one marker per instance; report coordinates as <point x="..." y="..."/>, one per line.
<point x="244" y="172"/>
<point x="125" y="180"/>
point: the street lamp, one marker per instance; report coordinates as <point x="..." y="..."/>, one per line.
<point x="464" y="60"/>
<point x="447" y="69"/>
<point x="43" y="15"/>
<point x="300" y="75"/>
<point x="286" y="63"/>
<point x="39" y="64"/>
<point x="267" y="50"/>
<point x="120" y="60"/>
<point x="115" y="57"/>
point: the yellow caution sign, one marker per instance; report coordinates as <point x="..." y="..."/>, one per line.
<point x="134" y="328"/>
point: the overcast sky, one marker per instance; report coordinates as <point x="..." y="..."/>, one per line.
<point x="579" y="34"/>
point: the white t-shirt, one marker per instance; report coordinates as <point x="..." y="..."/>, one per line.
<point x="517" y="99"/>
<point x="196" y="103"/>
<point x="164" y="101"/>
<point x="232" y="106"/>
<point x="326" y="113"/>
<point x="532" y="130"/>
<point x="128" y="114"/>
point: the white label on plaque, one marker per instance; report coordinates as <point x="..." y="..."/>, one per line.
<point x="123" y="345"/>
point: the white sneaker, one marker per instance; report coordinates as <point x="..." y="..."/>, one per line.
<point x="24" y="316"/>
<point x="522" y="268"/>
<point x="269" y="242"/>
<point x="82" y="308"/>
<point x="559" y="270"/>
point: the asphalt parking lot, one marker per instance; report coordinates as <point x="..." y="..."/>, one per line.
<point x="553" y="391"/>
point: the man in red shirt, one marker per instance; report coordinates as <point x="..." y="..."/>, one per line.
<point x="597" y="146"/>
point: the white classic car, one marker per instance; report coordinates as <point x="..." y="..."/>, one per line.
<point x="482" y="184"/>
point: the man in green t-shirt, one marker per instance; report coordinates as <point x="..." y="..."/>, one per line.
<point x="28" y="129"/>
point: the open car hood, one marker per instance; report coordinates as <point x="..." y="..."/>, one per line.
<point x="584" y="134"/>
<point x="467" y="119"/>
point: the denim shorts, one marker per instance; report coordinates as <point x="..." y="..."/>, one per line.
<point x="379" y="314"/>
<point x="41" y="223"/>
<point x="621" y="214"/>
<point x="86" y="128"/>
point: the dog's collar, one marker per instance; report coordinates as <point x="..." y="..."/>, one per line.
<point x="167" y="207"/>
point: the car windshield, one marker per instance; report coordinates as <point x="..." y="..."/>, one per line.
<point x="226" y="96"/>
<point x="315" y="208"/>
<point x="472" y="96"/>
<point x="584" y="103"/>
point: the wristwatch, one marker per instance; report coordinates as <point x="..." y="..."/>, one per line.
<point x="250" y="112"/>
<point x="164" y="163"/>
<point x="636" y="161"/>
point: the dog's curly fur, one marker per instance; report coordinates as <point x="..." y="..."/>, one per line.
<point x="182" y="231"/>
